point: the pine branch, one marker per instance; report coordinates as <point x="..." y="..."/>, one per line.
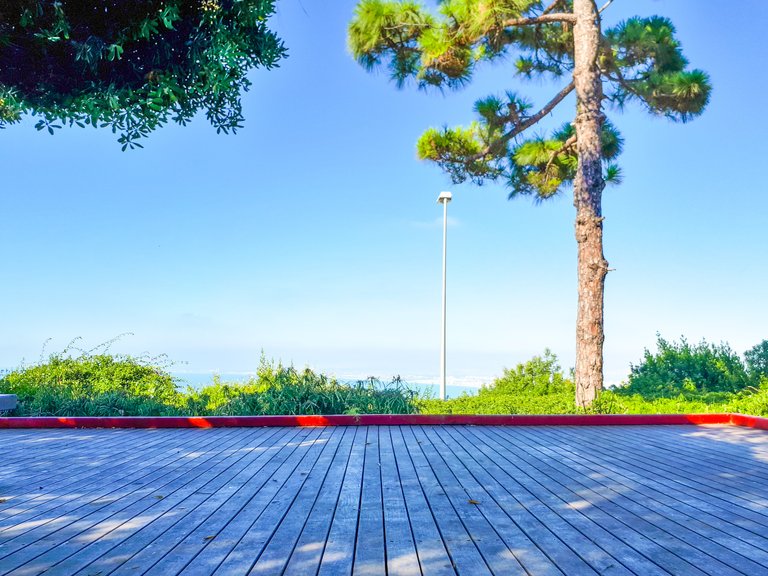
<point x="567" y="145"/>
<point x="525" y="124"/>
<point x="542" y="19"/>
<point x="551" y="7"/>
<point x="605" y="6"/>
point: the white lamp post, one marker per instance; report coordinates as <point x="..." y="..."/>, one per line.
<point x="443" y="199"/>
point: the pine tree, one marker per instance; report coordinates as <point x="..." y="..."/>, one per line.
<point x="131" y="65"/>
<point x="639" y="60"/>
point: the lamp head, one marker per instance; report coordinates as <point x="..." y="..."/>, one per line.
<point x="444" y="197"/>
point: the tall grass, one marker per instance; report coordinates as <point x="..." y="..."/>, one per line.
<point x="117" y="385"/>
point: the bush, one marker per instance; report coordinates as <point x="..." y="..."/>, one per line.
<point x="539" y="376"/>
<point x="680" y="368"/>
<point x="620" y="402"/>
<point x="500" y="404"/>
<point x="92" y="385"/>
<point x="537" y="386"/>
<point x="757" y="362"/>
<point x="114" y="385"/>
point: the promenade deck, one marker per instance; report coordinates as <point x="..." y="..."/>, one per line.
<point x="410" y="500"/>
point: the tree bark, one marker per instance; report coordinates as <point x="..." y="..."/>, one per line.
<point x="587" y="198"/>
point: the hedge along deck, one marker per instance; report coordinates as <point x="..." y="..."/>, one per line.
<point x="399" y="499"/>
<point x="383" y="420"/>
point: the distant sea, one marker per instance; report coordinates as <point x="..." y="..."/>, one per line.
<point x="197" y="380"/>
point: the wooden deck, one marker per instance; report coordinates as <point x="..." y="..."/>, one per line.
<point x="411" y="500"/>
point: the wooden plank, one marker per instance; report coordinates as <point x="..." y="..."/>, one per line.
<point x="709" y="521"/>
<point x="681" y="482"/>
<point x="674" y="537"/>
<point x="401" y="555"/>
<point x="24" y="445"/>
<point x="31" y="500"/>
<point x="174" y="522"/>
<point x="467" y="497"/>
<point x="61" y="501"/>
<point x="370" y="558"/>
<point x="240" y="489"/>
<point x="325" y="476"/>
<point x="709" y="455"/>
<point x="217" y="528"/>
<point x="689" y="470"/>
<point x="720" y="545"/>
<point x="66" y="456"/>
<point x="619" y="500"/>
<point x="308" y="551"/>
<point x="71" y="450"/>
<point x="181" y="495"/>
<point x="339" y="549"/>
<point x="38" y="553"/>
<point x="430" y="547"/>
<point x="545" y="517"/>
<point x="76" y="501"/>
<point x="87" y="471"/>
<point x="271" y="510"/>
<point x="459" y="541"/>
<point x="659" y="547"/>
<point x="543" y="541"/>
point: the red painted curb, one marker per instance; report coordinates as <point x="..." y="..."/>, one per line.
<point x="749" y="421"/>
<point x="383" y="420"/>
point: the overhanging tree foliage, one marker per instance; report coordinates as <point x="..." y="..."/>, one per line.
<point x="639" y="60"/>
<point x="131" y="65"/>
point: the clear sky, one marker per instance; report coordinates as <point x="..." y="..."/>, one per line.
<point x="313" y="234"/>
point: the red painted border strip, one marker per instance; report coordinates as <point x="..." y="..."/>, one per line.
<point x="381" y="420"/>
<point x="749" y="421"/>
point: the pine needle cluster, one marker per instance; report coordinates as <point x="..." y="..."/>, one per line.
<point x="640" y="60"/>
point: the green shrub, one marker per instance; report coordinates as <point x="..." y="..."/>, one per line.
<point x="539" y="376"/>
<point x="619" y="402"/>
<point x="537" y="386"/>
<point x="500" y="404"/>
<point x="682" y="368"/>
<point x="756" y="359"/>
<point x="752" y="400"/>
<point x="107" y="385"/>
<point x="92" y="385"/>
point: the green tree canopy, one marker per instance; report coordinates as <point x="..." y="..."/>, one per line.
<point x="687" y="368"/>
<point x="757" y="361"/>
<point x="131" y="65"/>
<point x="639" y="60"/>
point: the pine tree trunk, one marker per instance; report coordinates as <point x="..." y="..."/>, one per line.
<point x="587" y="196"/>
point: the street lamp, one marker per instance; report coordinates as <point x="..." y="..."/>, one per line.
<point x="443" y="199"/>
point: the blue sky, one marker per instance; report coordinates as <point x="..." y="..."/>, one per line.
<point x="314" y="234"/>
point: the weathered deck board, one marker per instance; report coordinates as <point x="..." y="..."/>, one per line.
<point x="169" y="525"/>
<point x="637" y="530"/>
<point x="178" y="496"/>
<point x="410" y="500"/>
<point x="722" y="548"/>
<point x="90" y="468"/>
<point x="66" y="535"/>
<point x="667" y="458"/>
<point x="574" y="535"/>
<point x="686" y="483"/>
<point x="89" y="486"/>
